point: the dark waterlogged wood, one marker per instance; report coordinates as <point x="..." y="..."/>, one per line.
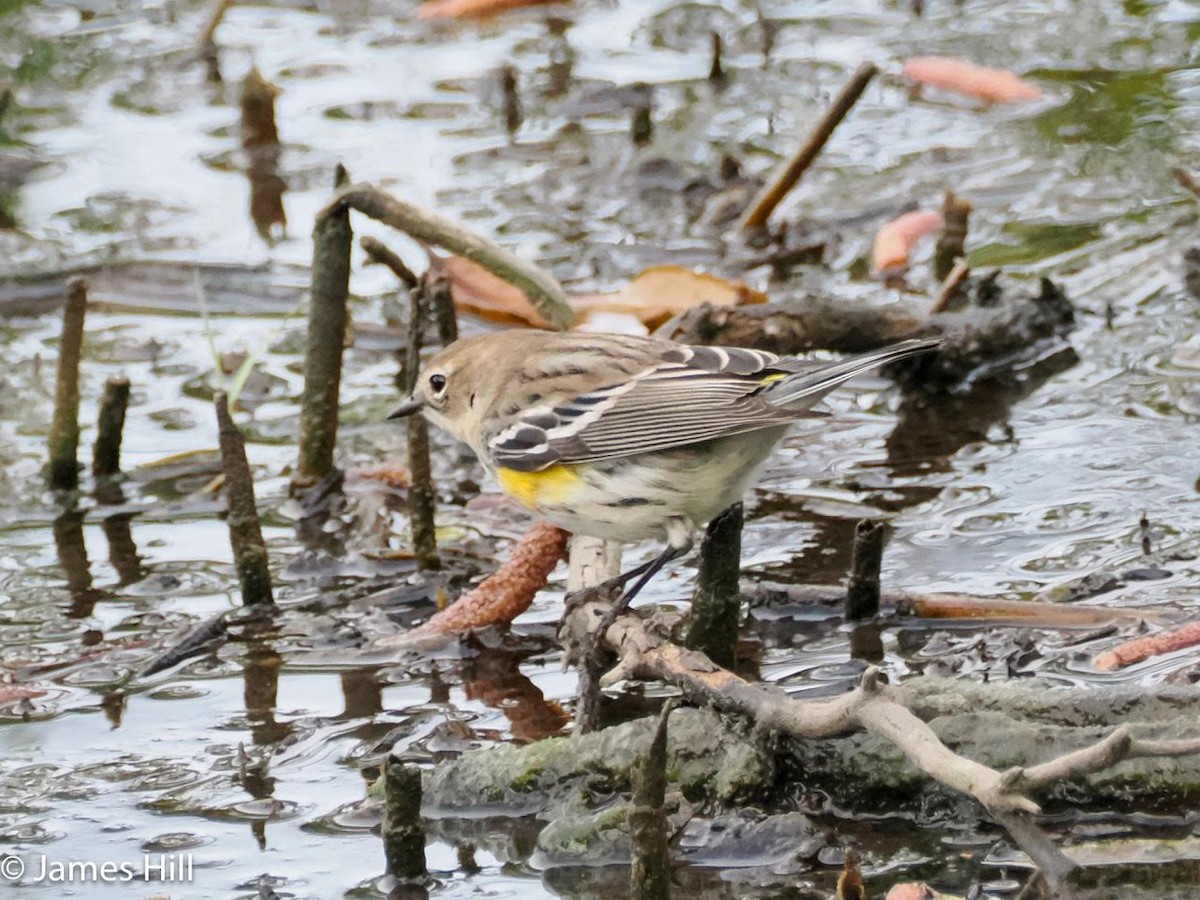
<point x="403" y="836"/>
<point x="326" y="336"/>
<point x="245" y="530"/>
<point x="63" y="469"/>
<point x="106" y="452"/>
<point x="422" y="499"/>
<point x="716" y="603"/>
<point x="650" y="872"/>
<point x="773" y="193"/>
<point x="866" y="558"/>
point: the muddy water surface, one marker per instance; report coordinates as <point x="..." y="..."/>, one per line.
<point x="118" y="149"/>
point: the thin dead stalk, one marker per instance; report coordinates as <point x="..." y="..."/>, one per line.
<point x="773" y="193"/>
<point x="379" y="252"/>
<point x="950" y="286"/>
<point x="422" y="499"/>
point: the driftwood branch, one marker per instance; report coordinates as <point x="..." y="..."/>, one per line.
<point x="873" y="706"/>
<point x="543" y="291"/>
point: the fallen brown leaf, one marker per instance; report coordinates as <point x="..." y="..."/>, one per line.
<point x="895" y="240"/>
<point x="991" y="85"/>
<point x="652" y="297"/>
<point x="660" y="292"/>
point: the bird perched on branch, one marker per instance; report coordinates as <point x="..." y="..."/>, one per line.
<point x="625" y="438"/>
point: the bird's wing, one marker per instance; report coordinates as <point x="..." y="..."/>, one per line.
<point x="689" y="395"/>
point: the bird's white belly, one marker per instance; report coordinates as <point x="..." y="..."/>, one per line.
<point x="631" y="499"/>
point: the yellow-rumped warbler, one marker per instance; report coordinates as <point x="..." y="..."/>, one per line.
<point x="620" y="437"/>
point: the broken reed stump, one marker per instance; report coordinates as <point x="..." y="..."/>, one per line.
<point x="422" y="499"/>
<point x="441" y="305"/>
<point x="245" y="530"/>
<point x="716" y="602"/>
<point x="866" y="558"/>
<point x="323" y="353"/>
<point x="952" y="239"/>
<point x="403" y="836"/>
<point x="106" y="452"/>
<point x="774" y="191"/>
<point x="63" y="469"/>
<point x="650" y="869"/>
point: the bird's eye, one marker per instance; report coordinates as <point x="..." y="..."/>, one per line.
<point x="437" y="383"/>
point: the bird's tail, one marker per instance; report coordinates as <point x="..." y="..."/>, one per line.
<point x="802" y="389"/>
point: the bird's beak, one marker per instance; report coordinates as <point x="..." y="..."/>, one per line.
<point x="406" y="409"/>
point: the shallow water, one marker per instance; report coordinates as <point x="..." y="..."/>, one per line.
<point x="252" y="764"/>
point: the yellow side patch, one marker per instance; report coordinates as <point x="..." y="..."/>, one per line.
<point x="532" y="489"/>
<point x="771" y="379"/>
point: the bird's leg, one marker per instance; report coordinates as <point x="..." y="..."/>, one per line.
<point x="606" y="589"/>
<point x="679" y="543"/>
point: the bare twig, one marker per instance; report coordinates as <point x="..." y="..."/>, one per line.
<point x="1187" y="181"/>
<point x="774" y="192"/>
<point x="208" y="33"/>
<point x="950" y="286"/>
<point x="64" y="429"/>
<point x="379" y="252"/>
<point x="543" y="291"/>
